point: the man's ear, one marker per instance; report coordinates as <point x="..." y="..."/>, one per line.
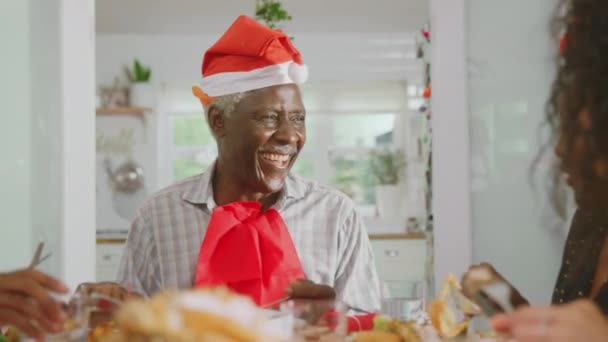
<point x="217" y="121"/>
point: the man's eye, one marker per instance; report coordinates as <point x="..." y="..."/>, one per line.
<point x="299" y="118"/>
<point x="270" y="117"/>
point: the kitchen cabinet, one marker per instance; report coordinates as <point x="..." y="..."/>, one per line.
<point x="398" y="257"/>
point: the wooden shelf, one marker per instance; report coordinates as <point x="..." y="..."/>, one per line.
<point x="401" y="236"/>
<point x="119" y="241"/>
<point x="123" y="111"/>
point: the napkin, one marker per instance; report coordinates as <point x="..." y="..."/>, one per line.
<point x="250" y="251"/>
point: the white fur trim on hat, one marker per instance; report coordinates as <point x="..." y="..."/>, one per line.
<point x="240" y="81"/>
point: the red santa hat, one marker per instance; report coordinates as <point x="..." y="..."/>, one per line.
<point x="249" y="56"/>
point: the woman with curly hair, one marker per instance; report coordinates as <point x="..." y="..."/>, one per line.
<point x="578" y="114"/>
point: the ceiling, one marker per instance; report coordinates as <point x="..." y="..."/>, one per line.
<point x="212" y="16"/>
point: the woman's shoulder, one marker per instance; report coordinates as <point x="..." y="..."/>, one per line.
<point x="587" y="223"/>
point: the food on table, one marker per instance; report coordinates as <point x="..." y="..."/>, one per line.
<point x="195" y="315"/>
<point x="308" y="332"/>
<point x="381" y="322"/>
<point x="387" y="329"/>
<point x="451" y="311"/>
<point x="102" y="331"/>
<point x="486" y="334"/>
<point x="10" y="335"/>
<point x="377" y="336"/>
<point x="71" y="324"/>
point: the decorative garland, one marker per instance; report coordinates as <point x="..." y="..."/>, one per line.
<point x="424" y="52"/>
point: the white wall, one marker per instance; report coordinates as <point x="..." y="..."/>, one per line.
<point x="45" y="129"/>
<point x="47" y="175"/>
<point x="195" y="16"/>
<point x="512" y="67"/>
<point x="15" y="134"/>
<point x="486" y="135"/>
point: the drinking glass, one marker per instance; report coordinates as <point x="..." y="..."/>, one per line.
<point x="404" y="300"/>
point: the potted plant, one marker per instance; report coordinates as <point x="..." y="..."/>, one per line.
<point x="142" y="91"/>
<point x="387" y="166"/>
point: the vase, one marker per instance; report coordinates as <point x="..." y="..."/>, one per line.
<point x="390" y="200"/>
<point x="143" y="95"/>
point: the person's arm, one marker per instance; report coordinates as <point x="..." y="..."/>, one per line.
<point x="357" y="282"/>
<point x="26" y="302"/>
<point x="577" y="321"/>
<point x="138" y="271"/>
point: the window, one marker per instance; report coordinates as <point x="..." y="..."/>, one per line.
<point x="344" y="122"/>
<point x="192" y="149"/>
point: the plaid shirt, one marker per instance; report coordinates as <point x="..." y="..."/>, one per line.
<point x="166" y="235"/>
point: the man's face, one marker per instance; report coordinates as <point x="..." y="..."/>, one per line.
<point x="262" y="138"/>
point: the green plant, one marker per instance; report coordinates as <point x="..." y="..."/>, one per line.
<point x="139" y="74"/>
<point x="387" y="165"/>
<point x="271" y="12"/>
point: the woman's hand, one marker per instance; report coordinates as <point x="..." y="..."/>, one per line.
<point x="26" y="302"/>
<point x="578" y="321"/>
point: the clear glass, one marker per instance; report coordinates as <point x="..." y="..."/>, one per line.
<point x="404" y="300"/>
<point x="316" y="319"/>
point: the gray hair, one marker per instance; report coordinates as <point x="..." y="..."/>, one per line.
<point x="226" y="103"/>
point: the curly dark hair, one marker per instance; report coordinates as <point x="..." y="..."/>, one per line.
<point x="581" y="86"/>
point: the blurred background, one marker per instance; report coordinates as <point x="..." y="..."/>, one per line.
<point x="425" y="112"/>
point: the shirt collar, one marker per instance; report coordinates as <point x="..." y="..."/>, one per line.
<point x="201" y="191"/>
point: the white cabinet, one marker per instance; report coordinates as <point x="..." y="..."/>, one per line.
<point x="108" y="259"/>
<point x="400" y="258"/>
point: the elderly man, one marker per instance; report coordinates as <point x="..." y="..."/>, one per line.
<point x="193" y="233"/>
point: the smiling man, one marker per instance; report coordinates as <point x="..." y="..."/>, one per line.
<point x="247" y="222"/>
